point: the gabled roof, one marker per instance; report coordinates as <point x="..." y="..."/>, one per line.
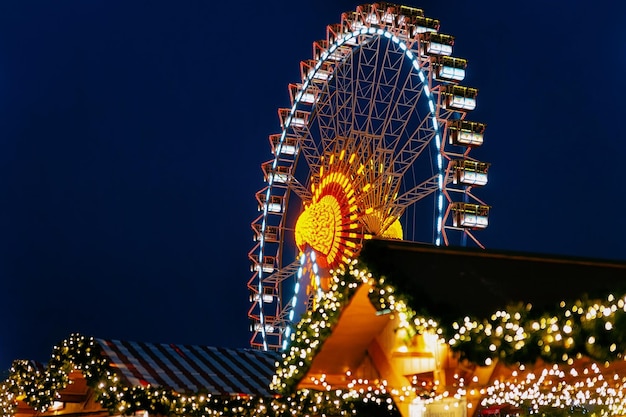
<point x="191" y="368"/>
<point x="452" y="282"/>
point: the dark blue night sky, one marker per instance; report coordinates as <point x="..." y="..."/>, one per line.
<point x="132" y="133"/>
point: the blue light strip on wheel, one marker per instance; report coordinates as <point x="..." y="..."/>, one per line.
<point x="431" y="105"/>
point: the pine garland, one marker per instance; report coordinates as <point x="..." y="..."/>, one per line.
<point x="39" y="388"/>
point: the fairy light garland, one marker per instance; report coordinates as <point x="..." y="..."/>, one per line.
<point x="516" y="336"/>
<point x="315" y="326"/>
<point x="39" y="388"/>
<point x="590" y="328"/>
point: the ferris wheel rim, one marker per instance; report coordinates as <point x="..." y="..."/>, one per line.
<point x="325" y="57"/>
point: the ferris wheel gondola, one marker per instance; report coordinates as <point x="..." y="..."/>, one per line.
<point x="376" y="144"/>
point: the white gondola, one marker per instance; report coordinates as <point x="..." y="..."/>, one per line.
<point x="451" y="73"/>
<point x="434" y="48"/>
<point x="465" y="133"/>
<point x="288" y="147"/>
<point x="372" y="19"/>
<point x="297" y="121"/>
<point x="267" y="296"/>
<point x="318" y="73"/>
<point x="437" y="44"/>
<point x="450" y="68"/>
<point x="469" y="138"/>
<point x="473" y="177"/>
<point x="266" y="266"/>
<point x="388" y="18"/>
<point x="465" y="137"/>
<point x="426" y="24"/>
<point x="459" y="98"/>
<point x="471" y="216"/>
<point x="257" y="297"/>
<point x="268" y="328"/>
<point x="270" y="235"/>
<point x="324" y="49"/>
<point x="339" y="53"/>
<point x="279" y="174"/>
<point x="461" y="103"/>
<point x="274" y="205"/>
<point x="357" y="25"/>
<point x="472" y="173"/>
<point x="303" y="95"/>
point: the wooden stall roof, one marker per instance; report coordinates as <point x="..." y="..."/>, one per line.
<point x="452" y="282"/>
<point x="192" y="368"/>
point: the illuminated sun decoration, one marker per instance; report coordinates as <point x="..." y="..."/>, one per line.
<point x="334" y="225"/>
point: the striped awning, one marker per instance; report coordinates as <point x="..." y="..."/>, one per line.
<point x="191" y="368"/>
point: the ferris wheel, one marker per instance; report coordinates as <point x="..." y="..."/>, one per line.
<point x="376" y="144"/>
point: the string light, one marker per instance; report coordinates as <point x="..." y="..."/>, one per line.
<point x="39" y="388"/>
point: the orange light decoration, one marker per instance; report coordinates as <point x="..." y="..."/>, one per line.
<point x="334" y="225"/>
<point x="329" y="223"/>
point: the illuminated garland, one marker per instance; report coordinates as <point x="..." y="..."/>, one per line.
<point x="39" y="388"/>
<point x="516" y="336"/>
<point x="591" y="328"/>
<point x="315" y="326"/>
<point x="8" y="404"/>
<point x="560" y="391"/>
<point x="519" y="336"/>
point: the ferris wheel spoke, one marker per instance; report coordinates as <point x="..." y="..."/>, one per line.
<point x="413" y="147"/>
<point x="367" y="83"/>
<point x="386" y="90"/>
<point x="303" y="193"/>
<point x="417" y="193"/>
<point x="310" y="151"/>
<point x="403" y="110"/>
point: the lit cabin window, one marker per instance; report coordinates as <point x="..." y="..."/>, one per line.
<point x="288" y="147"/>
<point x="296" y="121"/>
<point x="410" y="12"/>
<point x="270" y="235"/>
<point x="280" y="174"/>
<point x="268" y="295"/>
<point x="471" y="216"/>
<point x="269" y="326"/>
<point x="437" y="44"/>
<point x="468" y="172"/>
<point x="300" y="94"/>
<point x="266" y="266"/>
<point x="465" y="133"/>
<point x="450" y="68"/>
<point x="425" y="24"/>
<point x="274" y="205"/>
<point x="456" y="97"/>
<point x="307" y="70"/>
